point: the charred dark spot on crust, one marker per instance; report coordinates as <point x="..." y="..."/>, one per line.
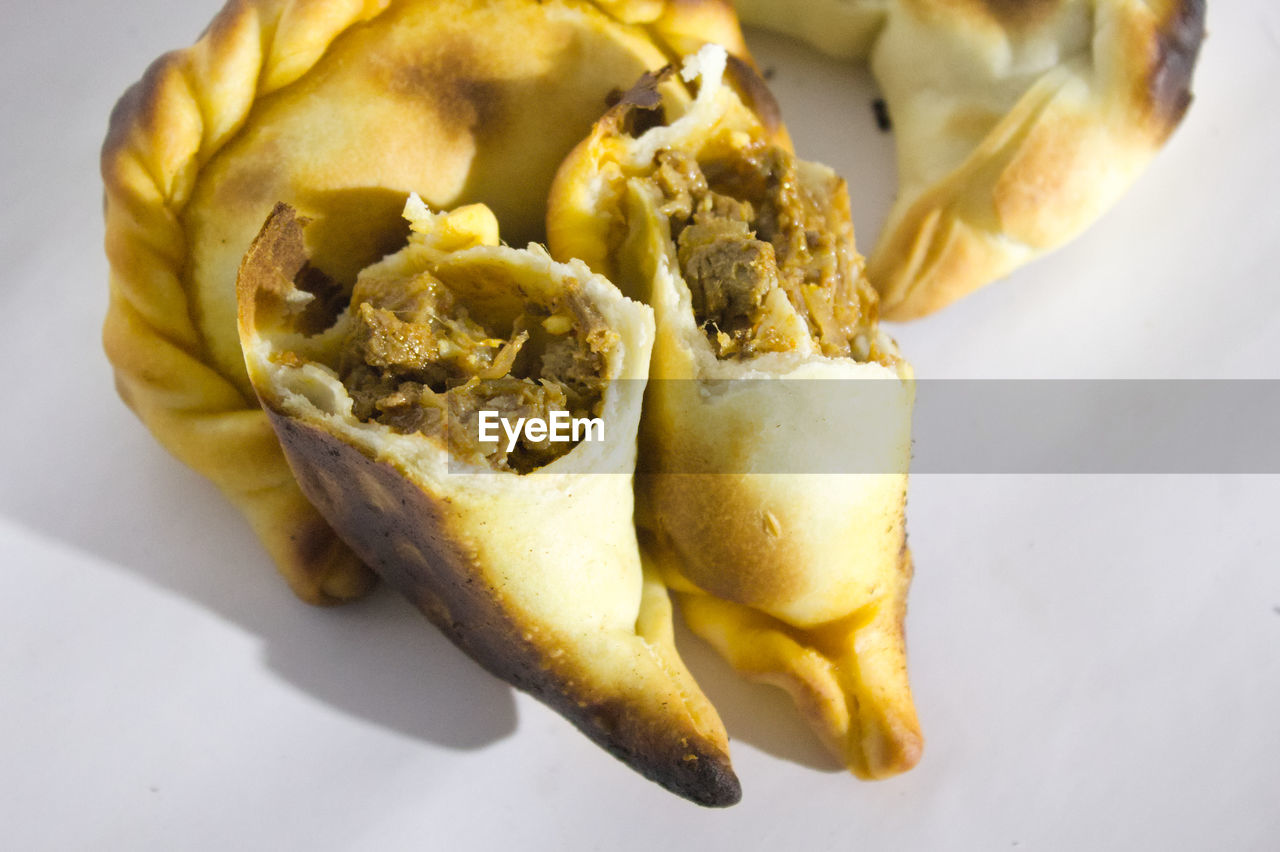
<point x="408" y="540"/>
<point x="639" y="108"/>
<point x="1177" y="46"/>
<point x="119" y="124"/>
<point x="279" y="255"/>
<point x="330" y="300"/>
<point x="462" y="103"/>
<point x="754" y="92"/>
<point x="640" y="120"/>
<point x="279" y="245"/>
<point x="311" y="542"/>
<point x="135" y="109"/>
<point x="275" y="260"/>
<point x="281" y="248"/>
<point x="705" y="781"/>
<point x="409" y="547"/>
<point x="315" y="547"/>
<point x="644" y="94"/>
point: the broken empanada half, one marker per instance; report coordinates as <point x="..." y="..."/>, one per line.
<point x="776" y="432"/>
<point x="1017" y="124"/>
<point x="339" y="109"/>
<point x="521" y="549"/>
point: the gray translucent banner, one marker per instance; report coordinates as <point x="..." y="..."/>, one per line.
<point x="1097" y="426"/>
<point x="843" y="426"/>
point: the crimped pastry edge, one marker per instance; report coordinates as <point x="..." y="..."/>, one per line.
<point x="188" y="104"/>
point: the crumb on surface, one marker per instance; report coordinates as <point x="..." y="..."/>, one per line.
<point x="881" y="110"/>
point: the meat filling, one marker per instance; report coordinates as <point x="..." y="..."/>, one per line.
<point x="746" y="227"/>
<point x="416" y="361"/>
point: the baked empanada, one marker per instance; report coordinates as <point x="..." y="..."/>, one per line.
<point x="768" y="365"/>
<point x="521" y="549"/>
<point x="340" y="108"/>
<point x="1017" y="124"/>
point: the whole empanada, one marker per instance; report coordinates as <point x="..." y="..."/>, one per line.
<point x="788" y="553"/>
<point x="522" y="551"/>
<point x="1017" y="123"/>
<point x="340" y="108"/>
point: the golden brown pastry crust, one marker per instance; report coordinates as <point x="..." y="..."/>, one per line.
<point x="340" y="107"/>
<point x="799" y="580"/>
<point x="536" y="576"/>
<point x="1017" y="123"/>
<point x="841" y="28"/>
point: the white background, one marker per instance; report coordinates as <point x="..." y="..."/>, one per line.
<point x="1096" y="660"/>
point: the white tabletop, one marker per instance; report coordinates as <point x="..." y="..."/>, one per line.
<point x="1096" y="659"/>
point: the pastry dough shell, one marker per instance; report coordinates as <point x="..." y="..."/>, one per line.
<point x="1017" y="124"/>
<point x="538" y="576"/>
<point x="341" y="108"/>
<point x="797" y="578"/>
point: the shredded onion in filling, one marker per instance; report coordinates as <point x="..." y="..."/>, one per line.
<point x="416" y="361"/>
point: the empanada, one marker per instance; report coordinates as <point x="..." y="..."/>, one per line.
<point x="340" y="108"/>
<point x="522" y="551"/>
<point x="1017" y="123"/>
<point x="768" y="364"/>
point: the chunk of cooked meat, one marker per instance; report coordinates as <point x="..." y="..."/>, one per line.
<point x="745" y="225"/>
<point x="416" y="361"/>
<point x="728" y="272"/>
